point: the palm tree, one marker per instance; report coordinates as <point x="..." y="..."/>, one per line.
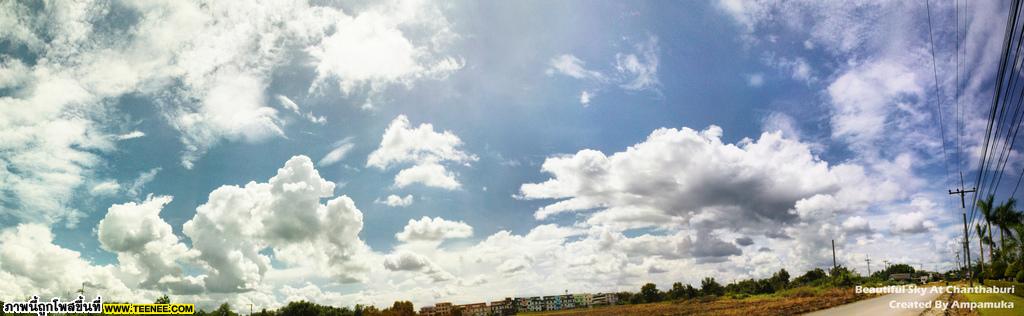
<point x="981" y="246"/>
<point x="988" y="211"/>
<point x="1005" y="217"/>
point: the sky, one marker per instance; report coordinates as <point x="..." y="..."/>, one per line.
<point x="341" y="152"/>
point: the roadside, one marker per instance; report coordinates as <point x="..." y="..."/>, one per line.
<point x="795" y="301"/>
<point x="904" y="304"/>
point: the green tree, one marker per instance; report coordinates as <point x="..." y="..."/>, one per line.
<point x="779" y="280"/>
<point x="810" y="277"/>
<point x="163" y="300"/>
<point x="401" y="308"/>
<point x="709" y="286"/>
<point x="1006" y="217"/>
<point x="650" y="293"/>
<point x="987" y="208"/>
<point x="223" y="310"/>
<point x="677" y="291"/>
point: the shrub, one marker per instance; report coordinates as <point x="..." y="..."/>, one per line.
<point x="997" y="269"/>
<point x="1011" y="270"/>
<point x="709" y="286"/>
<point x="810" y="277"/>
<point x="803" y="291"/>
<point x="1020" y="276"/>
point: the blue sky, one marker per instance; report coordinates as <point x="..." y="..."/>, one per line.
<point x="590" y="146"/>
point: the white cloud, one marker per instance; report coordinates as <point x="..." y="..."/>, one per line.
<point x="408" y="261"/>
<point x="31" y="264"/>
<point x="640" y="67"/>
<point x="428" y="174"/>
<point x="780" y="122"/>
<point x="373" y="50"/>
<point x="912" y="223"/>
<point x="422" y="147"/>
<point x="755" y="80"/>
<point x="285" y="215"/>
<point x="634" y="71"/>
<point x="685" y="173"/>
<point x="140" y="182"/>
<point x="857" y="224"/>
<point x="396" y="201"/>
<point x="13" y="73"/>
<point x="206" y="66"/>
<point x="292" y="106"/>
<point x="585" y="97"/>
<point x="341" y="149"/>
<point x="433" y="229"/>
<point x="145" y="243"/>
<point x="572" y="66"/>
<point x="864" y="97"/>
<point x="131" y="135"/>
<point x="105" y="188"/>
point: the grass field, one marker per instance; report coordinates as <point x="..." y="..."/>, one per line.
<point x="796" y="301"/>
<point x="1018" y="304"/>
<point x="1018" y="301"/>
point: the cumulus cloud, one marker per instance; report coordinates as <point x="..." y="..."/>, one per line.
<point x="408" y="261"/>
<point x="232" y="229"/>
<point x="423" y="148"/>
<point x="145" y="242"/>
<point x="206" y="66"/>
<point x="372" y="49"/>
<point x="428" y="174"/>
<point x="31" y="264"/>
<point x="685" y="173"/>
<point x="433" y="229"/>
<point x="857" y="225"/>
<point x="396" y="201"/>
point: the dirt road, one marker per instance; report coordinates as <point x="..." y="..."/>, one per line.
<point x="891" y="304"/>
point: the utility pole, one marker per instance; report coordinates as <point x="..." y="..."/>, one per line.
<point x="869" y="265"/>
<point x="967" y="252"/>
<point x="967" y="245"/>
<point x="834" y="266"/>
<point x="958" y="260"/>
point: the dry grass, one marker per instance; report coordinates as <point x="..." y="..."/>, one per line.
<point x="792" y="302"/>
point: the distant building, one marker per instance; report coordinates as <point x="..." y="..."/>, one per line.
<point x="427" y="311"/>
<point x="605" y="299"/>
<point x="568" y="301"/>
<point x="475" y="309"/>
<point x="505" y="307"/>
<point x="522" y="304"/>
<point x="536" y="304"/>
<point x="443" y="309"/>
<point x="900" y="276"/>
<point x="553" y="303"/>
<point x="583" y="300"/>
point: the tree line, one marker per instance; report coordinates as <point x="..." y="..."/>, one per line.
<point x="1005" y="250"/>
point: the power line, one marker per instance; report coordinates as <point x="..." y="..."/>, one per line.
<point x="995" y="107"/>
<point x="938" y="105"/>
